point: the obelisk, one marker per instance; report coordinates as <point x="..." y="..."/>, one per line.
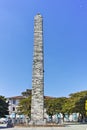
<point x="37" y="103"/>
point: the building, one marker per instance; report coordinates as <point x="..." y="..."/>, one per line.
<point x="13" y="104"/>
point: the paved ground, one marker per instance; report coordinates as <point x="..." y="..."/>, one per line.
<point x="67" y="127"/>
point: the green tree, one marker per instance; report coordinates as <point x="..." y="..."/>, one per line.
<point x="27" y="93"/>
<point x="76" y="103"/>
<point x="25" y="106"/>
<point x="49" y="105"/>
<point x="54" y="105"/>
<point x="3" y="107"/>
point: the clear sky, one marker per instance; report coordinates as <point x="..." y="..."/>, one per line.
<point x="65" y="45"/>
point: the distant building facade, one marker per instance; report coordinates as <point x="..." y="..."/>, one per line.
<point x="13" y="104"/>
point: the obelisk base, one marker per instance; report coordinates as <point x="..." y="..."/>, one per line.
<point x="37" y="122"/>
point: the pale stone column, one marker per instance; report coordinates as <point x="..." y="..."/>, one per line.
<point x="37" y="103"/>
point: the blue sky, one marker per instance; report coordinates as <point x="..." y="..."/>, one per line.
<point x="65" y="45"/>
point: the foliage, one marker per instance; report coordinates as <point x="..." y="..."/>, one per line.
<point x="3" y="107"/>
<point x="49" y="105"/>
<point x="54" y="105"/>
<point x="25" y="106"/>
<point x="76" y="103"/>
<point x="27" y="93"/>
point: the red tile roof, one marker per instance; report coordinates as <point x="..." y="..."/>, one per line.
<point x="16" y="97"/>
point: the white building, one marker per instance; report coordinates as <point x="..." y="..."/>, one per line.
<point x="13" y="104"/>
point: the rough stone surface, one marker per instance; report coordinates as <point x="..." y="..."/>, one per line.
<point x="37" y="105"/>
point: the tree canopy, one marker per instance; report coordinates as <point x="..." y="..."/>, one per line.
<point x="27" y="93"/>
<point x="76" y="103"/>
<point x="25" y="106"/>
<point x="54" y="105"/>
<point x="3" y="107"/>
<point x="73" y="104"/>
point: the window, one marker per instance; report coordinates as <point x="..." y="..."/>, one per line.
<point x="13" y="108"/>
<point x="14" y="101"/>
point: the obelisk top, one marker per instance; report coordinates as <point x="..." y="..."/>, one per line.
<point x="38" y="16"/>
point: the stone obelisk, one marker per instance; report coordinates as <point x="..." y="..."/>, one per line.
<point x="37" y="103"/>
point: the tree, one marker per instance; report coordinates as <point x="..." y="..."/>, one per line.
<point x="73" y="104"/>
<point x="3" y="107"/>
<point x="54" y="105"/>
<point x="76" y="103"/>
<point x="27" y="93"/>
<point x="49" y="105"/>
<point x="25" y="106"/>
